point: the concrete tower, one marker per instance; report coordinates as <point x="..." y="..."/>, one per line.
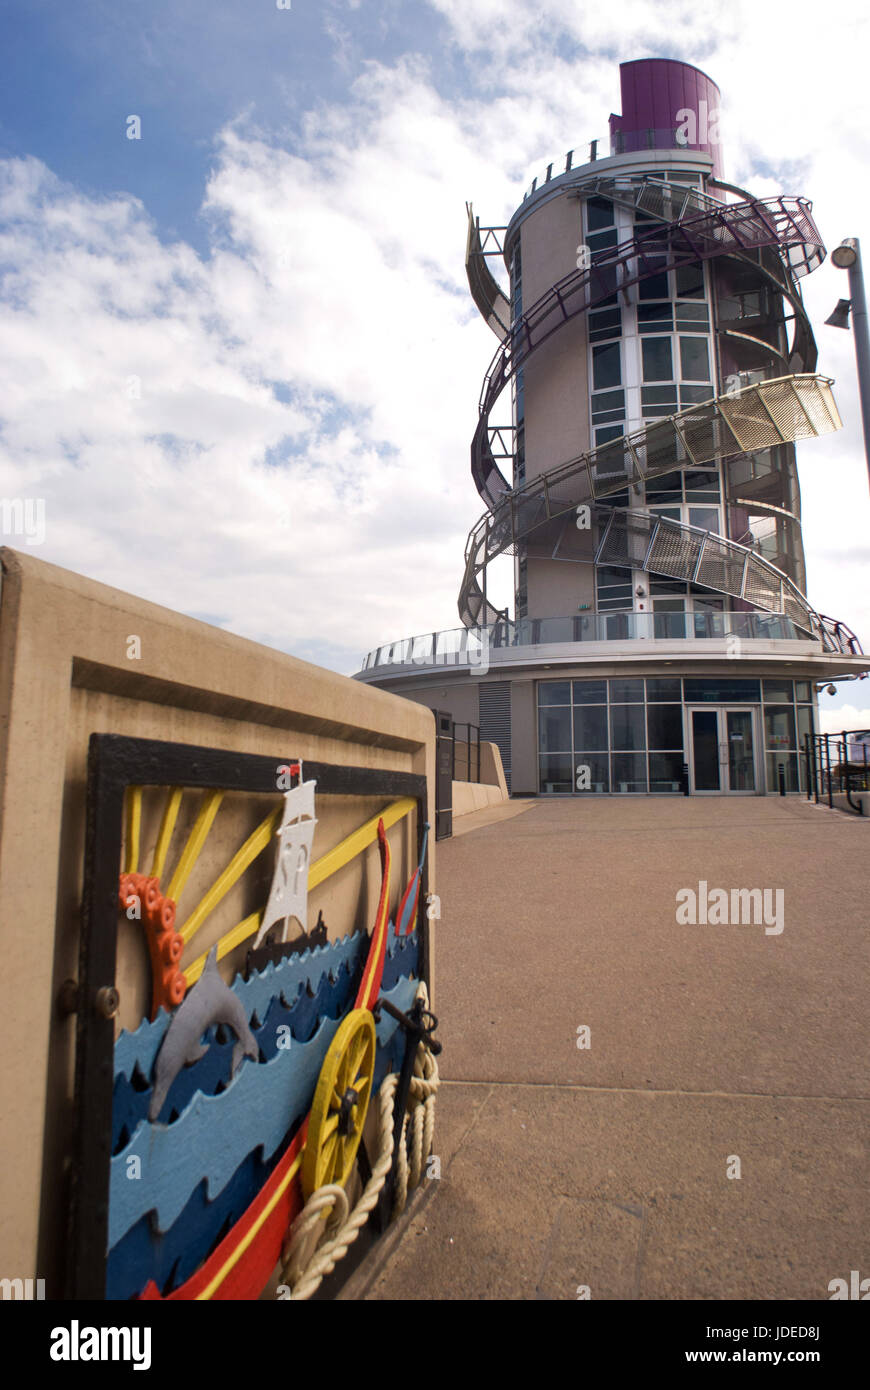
<point x="635" y="452"/>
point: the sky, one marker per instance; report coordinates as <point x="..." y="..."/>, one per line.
<point x="238" y="356"/>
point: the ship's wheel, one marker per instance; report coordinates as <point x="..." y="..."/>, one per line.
<point x="341" y="1102"/>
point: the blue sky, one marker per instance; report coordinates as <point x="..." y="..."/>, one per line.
<point x="238" y="357"/>
<point x="72" y="74"/>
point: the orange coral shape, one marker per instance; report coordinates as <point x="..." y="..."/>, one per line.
<point x="165" y="945"/>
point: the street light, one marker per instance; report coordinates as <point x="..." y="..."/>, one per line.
<point x="847" y="256"/>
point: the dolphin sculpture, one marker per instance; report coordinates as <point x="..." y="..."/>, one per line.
<point x="210" y="1001"/>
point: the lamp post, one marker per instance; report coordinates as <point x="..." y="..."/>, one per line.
<point x="847" y="256"/>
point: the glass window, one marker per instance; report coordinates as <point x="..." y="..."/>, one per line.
<point x="600" y="241"/>
<point x="627" y="726"/>
<point x="591" y="772"/>
<point x="779" y="727"/>
<point x="658" y="400"/>
<point x="668" y="485"/>
<point x="605" y="433"/>
<point x="654" y="286"/>
<point x="590" y="727"/>
<point x="693" y="316"/>
<point x="707" y="518"/>
<point x="554" y="693"/>
<point x="603" y="279"/>
<point x="694" y="359"/>
<point x="629" y="772"/>
<point x="554" y="730"/>
<point x="669" y="617"/>
<point x="690" y="281"/>
<point x="663" y="690"/>
<point x="599" y="214"/>
<point x="658" y="362"/>
<point x="557" y="773"/>
<point x="665" y="772"/>
<point x="724" y="690"/>
<point x="590" y="692"/>
<point x="606" y="367"/>
<point x="805" y="725"/>
<point x="777" y="692"/>
<point x="608" y="400"/>
<point x="655" y="318"/>
<point x="803" y="692"/>
<point x="659" y="395"/>
<point x="606" y="323"/>
<point x="788" y="761"/>
<point x="627" y="691"/>
<point x="701" y="487"/>
<point x="694" y="395"/>
<point x="664" y="726"/>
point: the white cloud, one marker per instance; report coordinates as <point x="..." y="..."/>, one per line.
<point x="835" y="721"/>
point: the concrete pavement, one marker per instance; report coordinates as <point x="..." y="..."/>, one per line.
<point x="713" y="1049"/>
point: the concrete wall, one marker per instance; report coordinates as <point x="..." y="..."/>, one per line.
<point x="555" y="376"/>
<point x="491" y="770"/>
<point x="558" y="588"/>
<point x="458" y="698"/>
<point x="524" y="738"/>
<point x="64" y="674"/>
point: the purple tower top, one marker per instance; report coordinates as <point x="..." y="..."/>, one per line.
<point x="667" y="104"/>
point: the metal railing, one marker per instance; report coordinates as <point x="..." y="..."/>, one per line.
<point x="619" y="142"/>
<point x="735" y="228"/>
<point x="467" y="744"/>
<point x="761" y="415"/>
<point x="831" y="768"/>
<point x="471" y="646"/>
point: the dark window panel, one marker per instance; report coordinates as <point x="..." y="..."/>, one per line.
<point x="658" y="364"/>
<point x="554" y="730"/>
<point x="629" y="772"/>
<point x="627" y="690"/>
<point x="590" y="692"/>
<point x="664" y="688"/>
<point x="606" y="367"/>
<point x="554" y="693"/>
<point x="590" y="726"/>
<point x="694" y="359"/>
<point x="664" y="726"/>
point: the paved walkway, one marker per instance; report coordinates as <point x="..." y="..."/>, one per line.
<point x="608" y="1166"/>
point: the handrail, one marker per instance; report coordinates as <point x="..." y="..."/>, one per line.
<point x="616" y="143"/>
<point x="761" y="415"/>
<point x="474" y="646"/>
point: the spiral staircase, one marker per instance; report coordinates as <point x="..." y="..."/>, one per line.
<point x="686" y="227"/>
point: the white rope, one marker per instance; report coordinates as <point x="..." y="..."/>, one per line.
<point x="315" y="1245"/>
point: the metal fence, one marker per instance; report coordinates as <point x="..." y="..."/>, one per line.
<point x="468" y="763"/>
<point x="833" y="769"/>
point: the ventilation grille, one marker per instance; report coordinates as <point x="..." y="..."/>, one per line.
<point x="495" y="720"/>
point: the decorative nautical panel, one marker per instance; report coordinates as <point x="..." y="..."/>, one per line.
<point x="233" y="921"/>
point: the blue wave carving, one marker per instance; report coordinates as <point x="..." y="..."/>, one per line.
<point x="214" y="1135"/>
<point x="131" y="1097"/>
<point x="306" y="968"/>
<point x="402" y="959"/>
<point x="171" y="1258"/>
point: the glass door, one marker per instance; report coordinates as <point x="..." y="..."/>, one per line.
<point x="741" y="750"/>
<point x="722" y="750"/>
<point x="704" y="741"/>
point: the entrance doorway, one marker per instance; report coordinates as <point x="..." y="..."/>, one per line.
<point x="722" y="750"/>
